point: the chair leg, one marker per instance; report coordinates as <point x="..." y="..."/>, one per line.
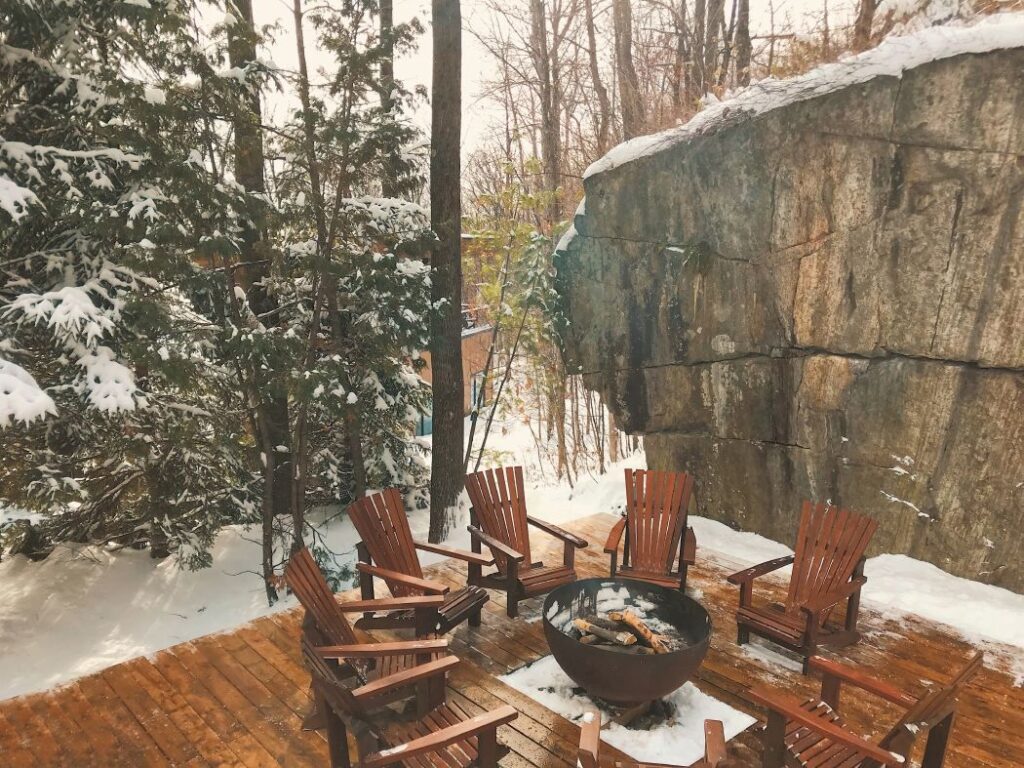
<point x="487" y="748"/>
<point x="938" y="740"/>
<point x="474" y="618"/>
<point x="512" y="603"/>
<point x="774" y="741"/>
<point x="683" y="569"/>
<point x="337" y="736"/>
<point x="315" y="720"/>
<point x="742" y="634"/>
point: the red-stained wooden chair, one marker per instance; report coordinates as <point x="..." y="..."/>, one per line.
<point x="500" y="522"/>
<point x="388" y="552"/>
<point x="659" y="546"/>
<point x="716" y="754"/>
<point x="812" y="732"/>
<point x="444" y="735"/>
<point x="828" y="569"/>
<point x="325" y="625"/>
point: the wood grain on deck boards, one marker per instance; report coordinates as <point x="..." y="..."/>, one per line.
<point x="237" y="699"/>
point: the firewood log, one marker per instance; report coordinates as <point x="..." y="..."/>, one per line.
<point x="619" y="638"/>
<point x="590" y="639"/>
<point x="633" y="650"/>
<point x="635" y="623"/>
<point x="601" y="621"/>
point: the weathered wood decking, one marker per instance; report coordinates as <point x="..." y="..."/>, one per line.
<point x="237" y="699"/>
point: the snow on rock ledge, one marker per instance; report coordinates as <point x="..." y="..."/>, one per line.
<point x="892" y="58"/>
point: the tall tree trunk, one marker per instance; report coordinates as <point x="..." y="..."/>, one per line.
<point x="743" y="48"/>
<point x="862" y="26"/>
<point x="681" y="73"/>
<point x="446" y="472"/>
<point x="389" y="181"/>
<point x="629" y="85"/>
<point x="604" y="104"/>
<point x="272" y="419"/>
<point x="714" y="23"/>
<point x="613" y="438"/>
<point x="697" y="52"/>
<point x="550" y="130"/>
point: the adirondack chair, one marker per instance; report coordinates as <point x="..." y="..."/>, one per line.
<point x="443" y="736"/>
<point x="715" y="753"/>
<point x="655" y="528"/>
<point x="499" y="520"/>
<point x="388" y="551"/>
<point x="828" y="568"/>
<point x="812" y="731"/>
<point x="325" y="625"/>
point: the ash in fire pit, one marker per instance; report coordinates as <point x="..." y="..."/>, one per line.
<point x="626" y="641"/>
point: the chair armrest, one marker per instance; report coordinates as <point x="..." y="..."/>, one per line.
<point x="392" y="604"/>
<point x="442" y="738"/>
<point x="423" y="585"/>
<point x="615" y="536"/>
<point x="754" y="572"/>
<point x="792" y="710"/>
<point x="377" y="650"/>
<point x="494" y="544"/>
<point x="405" y="677"/>
<point x="824" y="602"/>
<point x="863" y="681"/>
<point x="557" y="532"/>
<point x="461" y="554"/>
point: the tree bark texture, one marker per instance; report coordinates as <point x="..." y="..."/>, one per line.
<point x="446" y="472"/>
<point x="629" y="84"/>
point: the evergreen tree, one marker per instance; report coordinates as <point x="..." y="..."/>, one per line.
<point x="124" y="421"/>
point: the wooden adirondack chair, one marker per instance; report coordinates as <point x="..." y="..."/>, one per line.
<point x="812" y="731"/>
<point x="716" y="755"/>
<point x="655" y="526"/>
<point x="443" y="736"/>
<point x="499" y="521"/>
<point x="828" y="568"/>
<point x="388" y="551"/>
<point x="325" y="625"/>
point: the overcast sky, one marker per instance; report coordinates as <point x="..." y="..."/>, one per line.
<point x="477" y="67"/>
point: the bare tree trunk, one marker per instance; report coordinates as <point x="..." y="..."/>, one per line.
<point x="727" y="40"/>
<point x="604" y="104"/>
<point x="613" y="438"/>
<point x="389" y="180"/>
<point x="699" y="77"/>
<point x="629" y="85"/>
<point x="550" y="130"/>
<point x="715" y="22"/>
<point x="743" y="48"/>
<point x="681" y="69"/>
<point x="271" y="409"/>
<point x="446" y="472"/>
<point x="862" y="26"/>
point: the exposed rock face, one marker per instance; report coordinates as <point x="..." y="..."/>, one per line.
<point x="826" y="301"/>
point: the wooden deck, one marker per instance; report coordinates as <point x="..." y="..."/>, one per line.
<point x="237" y="699"/>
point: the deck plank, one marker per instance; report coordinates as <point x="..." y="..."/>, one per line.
<point x="237" y="699"/>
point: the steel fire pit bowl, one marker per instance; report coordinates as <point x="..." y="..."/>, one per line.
<point x="618" y="677"/>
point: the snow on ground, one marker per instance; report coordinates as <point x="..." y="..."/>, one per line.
<point x="679" y="740"/>
<point x="85" y="607"/>
<point x="891" y="58"/>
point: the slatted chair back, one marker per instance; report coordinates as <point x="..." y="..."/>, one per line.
<point x="830" y="543"/>
<point x="934" y="705"/>
<point x="498" y="497"/>
<point x="307" y="582"/>
<point x="656" y="509"/>
<point x="384" y="529"/>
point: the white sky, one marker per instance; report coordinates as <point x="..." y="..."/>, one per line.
<point x="477" y="66"/>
